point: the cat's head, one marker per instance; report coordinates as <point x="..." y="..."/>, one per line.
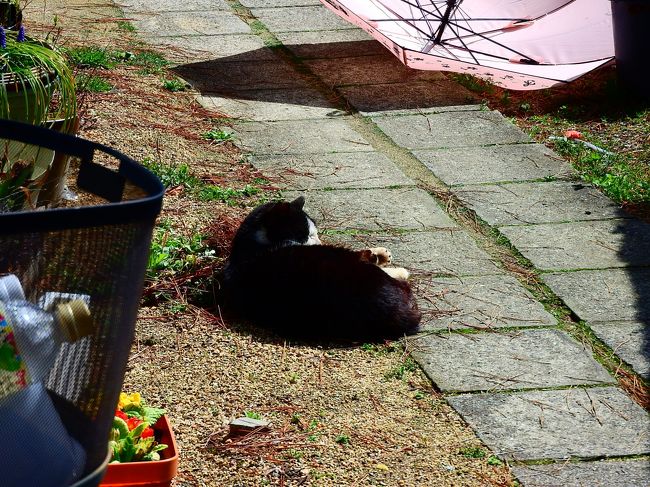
<point x="274" y="225"/>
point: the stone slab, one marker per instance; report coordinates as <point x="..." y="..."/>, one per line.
<point x="492" y="164"/>
<point x="330" y="44"/>
<point x="604" y="473"/>
<point x="630" y="340"/>
<point x="419" y="97"/>
<point x="224" y="48"/>
<point x="174" y="6"/>
<point x="450" y="129"/>
<point x="291" y="19"/>
<point x="375" y="209"/>
<point x="381" y="68"/>
<point x="462" y="362"/>
<point x="299" y="137"/>
<point x="445" y="252"/>
<point x="540" y="202"/>
<point x="604" y="295"/>
<point x="477" y="302"/>
<point x="558" y="424"/>
<point x="583" y="245"/>
<point x="278" y="3"/>
<point x="191" y="23"/>
<point x="338" y="171"/>
<point x="273" y="105"/>
<point x="233" y="77"/>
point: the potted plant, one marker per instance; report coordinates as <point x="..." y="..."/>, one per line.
<point x="36" y="87"/>
<point x="143" y="446"/>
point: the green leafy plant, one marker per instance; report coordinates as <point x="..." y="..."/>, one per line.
<point x="171" y="176"/>
<point x="92" y="57"/>
<point x="398" y="372"/>
<point x="92" y="84"/>
<point x="342" y="439"/>
<point x="473" y="452"/>
<point x="132" y="438"/>
<point x="252" y="415"/>
<point x="174" y="85"/>
<point x="226" y="195"/>
<point x="217" y="135"/>
<point x="172" y="253"/>
<point x="149" y="62"/>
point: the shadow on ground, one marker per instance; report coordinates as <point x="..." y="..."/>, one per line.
<point x="326" y="74"/>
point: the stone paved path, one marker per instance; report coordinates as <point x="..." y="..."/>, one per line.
<point x="375" y="147"/>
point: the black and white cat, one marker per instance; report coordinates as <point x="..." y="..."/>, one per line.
<point x="279" y="276"/>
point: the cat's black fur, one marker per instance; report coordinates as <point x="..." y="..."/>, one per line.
<point x="318" y="292"/>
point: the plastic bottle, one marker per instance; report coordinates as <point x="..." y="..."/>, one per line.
<point x="30" y="338"/>
<point x="10" y="288"/>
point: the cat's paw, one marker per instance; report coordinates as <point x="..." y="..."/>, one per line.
<point x="397" y="273"/>
<point x="381" y="255"/>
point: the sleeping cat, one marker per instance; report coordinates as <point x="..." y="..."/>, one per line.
<point x="279" y="276"/>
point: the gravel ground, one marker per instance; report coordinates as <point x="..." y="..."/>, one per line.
<point x="364" y="415"/>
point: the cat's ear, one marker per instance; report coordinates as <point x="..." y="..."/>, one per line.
<point x="298" y="203"/>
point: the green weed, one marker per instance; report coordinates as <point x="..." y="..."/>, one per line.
<point x="174" y="85"/>
<point x="494" y="461"/>
<point x="252" y="415"/>
<point x="172" y="253"/>
<point x="92" y="57"/>
<point x="473" y="83"/>
<point x="92" y="83"/>
<point x="149" y="62"/>
<point x="473" y="452"/>
<point x="125" y="25"/>
<point x="217" y="135"/>
<point x="342" y="439"/>
<point x="408" y="365"/>
<point x="230" y="196"/>
<point x="172" y="176"/>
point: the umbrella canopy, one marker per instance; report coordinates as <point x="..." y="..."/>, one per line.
<point x="516" y="44"/>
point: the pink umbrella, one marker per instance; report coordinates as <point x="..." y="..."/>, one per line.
<point x="516" y="44"/>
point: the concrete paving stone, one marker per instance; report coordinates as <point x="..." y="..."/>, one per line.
<point x="218" y="77"/>
<point x="273" y="105"/>
<point x="224" y="48"/>
<point x="278" y="3"/>
<point x="450" y="129"/>
<point x="441" y="252"/>
<point x="603" y="473"/>
<point x="330" y="44"/>
<point x="540" y="202"/>
<point x="526" y="359"/>
<point x="190" y="23"/>
<point x="582" y="423"/>
<point x="493" y="164"/>
<point x="630" y="340"/>
<point x="158" y="6"/>
<point x="604" y="295"/>
<point x="419" y="97"/>
<point x="299" y="137"/>
<point x="381" y="68"/>
<point x="293" y="19"/>
<point x="583" y="245"/>
<point x="339" y="171"/>
<point x="477" y="302"/>
<point x="374" y="209"/>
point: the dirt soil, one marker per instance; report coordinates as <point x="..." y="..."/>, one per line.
<point x="364" y="415"/>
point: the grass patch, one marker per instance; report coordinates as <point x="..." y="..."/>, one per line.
<point x="88" y="57"/>
<point x="230" y="196"/>
<point x="172" y="252"/>
<point x="473" y="452"/>
<point x="170" y="175"/>
<point x="407" y="366"/>
<point x="217" y="135"/>
<point x="149" y="62"/>
<point x="125" y="26"/>
<point x="174" y="85"/>
<point x="92" y="83"/>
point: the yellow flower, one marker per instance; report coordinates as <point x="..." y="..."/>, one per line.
<point x="128" y="400"/>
